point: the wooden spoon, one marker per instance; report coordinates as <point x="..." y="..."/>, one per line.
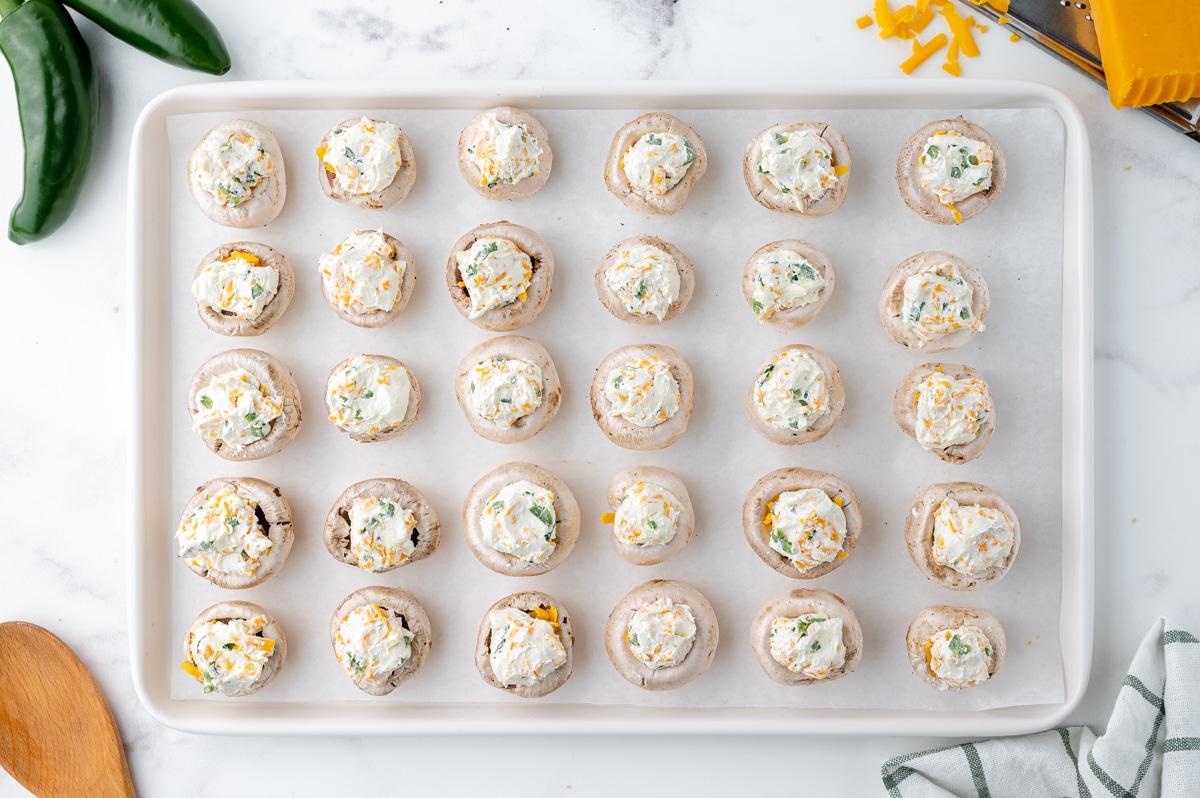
<point x="57" y="736"/>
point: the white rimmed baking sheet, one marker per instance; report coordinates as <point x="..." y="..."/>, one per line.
<point x="1017" y="245"/>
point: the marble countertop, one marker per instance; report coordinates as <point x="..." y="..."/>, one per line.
<point x="66" y="448"/>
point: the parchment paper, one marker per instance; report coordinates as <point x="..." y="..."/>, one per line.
<point x="1016" y="244"/>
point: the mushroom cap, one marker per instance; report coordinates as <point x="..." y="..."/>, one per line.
<point x="694" y="663"/>
<point x="274" y="515"/>
<point x="337" y="523"/>
<point x="794" y="604"/>
<point x="925" y="203"/>
<point x="618" y="184"/>
<point x="891" y="301"/>
<point x="410" y="413"/>
<point x="656" y="553"/>
<point x="904" y="409"/>
<point x="822" y="426"/>
<point x="501" y="191"/>
<point x="936" y="618"/>
<point x="612" y="303"/>
<point x="566" y="516"/>
<point x="525" y="427"/>
<point x="918" y="533"/>
<point x="521" y="312"/>
<point x="278" y="381"/>
<point x="385" y="197"/>
<point x="526" y="601"/>
<point x="245" y="611"/>
<point x="405" y="605"/>
<point x="227" y="323"/>
<point x="265" y="200"/>
<point x="792" y="318"/>
<point x="767" y="489"/>
<point x="767" y="195"/>
<point x="627" y="434"/>
<point x="379" y="318"/>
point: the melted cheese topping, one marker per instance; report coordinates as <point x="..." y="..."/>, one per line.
<point x="381" y="533"/>
<point x="959" y="656"/>
<point x="642" y="391"/>
<point x="236" y="286"/>
<point x="223" y="534"/>
<point x="363" y="274"/>
<point x="368" y="396"/>
<point x="937" y="302"/>
<point x="799" y="163"/>
<point x="230" y="167"/>
<point x="657" y="162"/>
<point x="810" y="644"/>
<point x="520" y="520"/>
<point x="648" y="515"/>
<point x="791" y="391"/>
<point x="235" y="408"/>
<point x="364" y="157"/>
<point x="661" y="633"/>
<point x="807" y="527"/>
<point x="950" y="411"/>
<point x="955" y="167"/>
<point x="971" y="538"/>
<point x="783" y="280"/>
<point x="523" y="650"/>
<point x="372" y="643"/>
<point x="495" y="273"/>
<point x="504" y="153"/>
<point x="645" y="279"/>
<point x="505" y="389"/>
<point x="229" y="656"/>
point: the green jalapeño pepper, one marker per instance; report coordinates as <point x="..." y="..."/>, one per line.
<point x="58" y="98"/>
<point x="175" y="31"/>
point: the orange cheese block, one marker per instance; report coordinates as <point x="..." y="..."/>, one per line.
<point x="1150" y="51"/>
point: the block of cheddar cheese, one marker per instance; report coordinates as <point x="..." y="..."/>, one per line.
<point x="1150" y="51"/>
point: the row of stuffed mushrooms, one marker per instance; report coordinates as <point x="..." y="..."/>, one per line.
<point x="947" y="172"/>
<point x="520" y="519"/>
<point x="661" y="636"/>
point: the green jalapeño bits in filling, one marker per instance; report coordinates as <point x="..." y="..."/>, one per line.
<point x="955" y="167"/>
<point x="784" y="280"/>
<point x="229" y="656"/>
<point x="231" y="166"/>
<point x="236" y="286"/>
<point x="494" y="272"/>
<point x="970" y="538"/>
<point x="520" y="521"/>
<point x="937" y="302"/>
<point x="364" y="157"/>
<point x="791" y="392"/>
<point x="657" y="162"/>
<point x="368" y="396"/>
<point x="661" y="633"/>
<point x="799" y="163"/>
<point x="806" y="527"/>
<point x="235" y="407"/>
<point x="648" y="515"/>
<point x="960" y="656"/>
<point x="382" y="533"/>
<point x="223" y="534"/>
<point x="645" y="279"/>
<point x="950" y="411"/>
<point x="810" y="644"/>
<point x="372" y="643"/>
<point x="504" y="153"/>
<point x="523" y="650"/>
<point x="642" y="391"/>
<point x="504" y="390"/>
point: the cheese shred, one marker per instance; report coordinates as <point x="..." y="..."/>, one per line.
<point x="908" y="21"/>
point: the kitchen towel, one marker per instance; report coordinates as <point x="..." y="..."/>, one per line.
<point x="1151" y="746"/>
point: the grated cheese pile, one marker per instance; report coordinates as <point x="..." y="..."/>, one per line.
<point x="908" y="21"/>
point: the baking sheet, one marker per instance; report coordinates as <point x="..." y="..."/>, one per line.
<point x="1016" y="244"/>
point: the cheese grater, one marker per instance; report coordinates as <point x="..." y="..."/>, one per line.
<point x="1064" y="29"/>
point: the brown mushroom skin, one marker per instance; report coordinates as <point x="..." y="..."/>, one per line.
<point x="792" y="605"/>
<point x="627" y="434"/>
<point x="918" y="533"/>
<point x="385" y="197"/>
<point x="925" y="203"/>
<point x="243" y="610"/>
<point x="904" y="409"/>
<point x="656" y="553"/>
<point x="891" y="302"/>
<point x="790" y="318"/>
<point x="410" y="412"/>
<point x="613" y="304"/>
<point x="657" y="204"/>
<point x="508" y="115"/>
<point x="522" y="311"/>
<point x="413" y="618"/>
<point x="694" y="663"/>
<point x="373" y="319"/>
<point x="266" y="198"/>
<point x="823" y="425"/>
<point x="767" y="195"/>
<point x="511" y="347"/>
<point x="226" y="323"/>
<point x="933" y="619"/>
<point x="337" y="522"/>
<point x="525" y="602"/>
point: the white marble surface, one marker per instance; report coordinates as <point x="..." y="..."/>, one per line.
<point x="62" y="440"/>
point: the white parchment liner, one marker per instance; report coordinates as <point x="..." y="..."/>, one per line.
<point x="1016" y="244"/>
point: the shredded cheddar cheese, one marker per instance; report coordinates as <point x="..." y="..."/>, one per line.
<point x="909" y="21"/>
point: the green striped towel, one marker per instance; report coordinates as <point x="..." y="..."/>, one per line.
<point x="1151" y="747"/>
